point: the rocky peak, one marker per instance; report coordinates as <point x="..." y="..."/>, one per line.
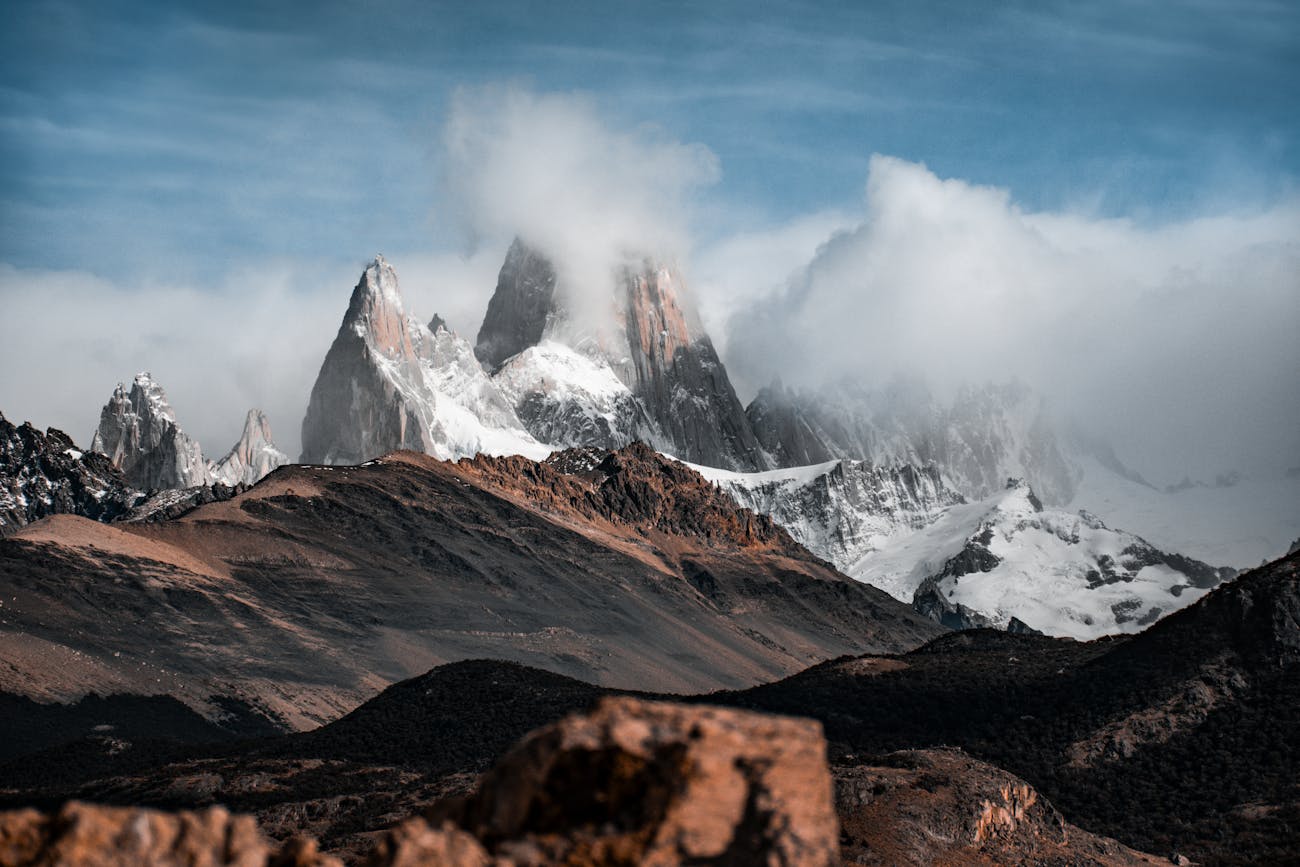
<point x="437" y="323"/>
<point x="138" y="433"/>
<point x="679" y="395"/>
<point x="253" y="456"/>
<point x="45" y="474"/>
<point x="375" y="311"/>
<point x="389" y="382"/>
<point x="520" y="307"/>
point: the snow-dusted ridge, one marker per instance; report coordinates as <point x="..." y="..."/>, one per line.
<point x="1004" y="560"/>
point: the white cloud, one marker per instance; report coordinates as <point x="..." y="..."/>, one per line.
<point x="548" y="168"/>
<point x="1177" y="340"/>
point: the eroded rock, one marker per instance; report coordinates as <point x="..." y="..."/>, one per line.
<point x="637" y="782"/>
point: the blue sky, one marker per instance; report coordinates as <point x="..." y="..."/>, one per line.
<point x="140" y="139"/>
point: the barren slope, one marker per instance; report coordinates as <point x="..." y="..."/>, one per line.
<point x="311" y="592"/>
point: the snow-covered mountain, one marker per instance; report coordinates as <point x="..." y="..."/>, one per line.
<point x="636" y="365"/>
<point x="140" y="436"/>
<point x="1004" y="560"/>
<point x="138" y="433"/>
<point x="539" y="378"/>
<point x="252" y="457"/>
<point x="46" y="474"/>
<point x="842" y="510"/>
<point x="390" y="382"/>
<point x="1008" y="557"/>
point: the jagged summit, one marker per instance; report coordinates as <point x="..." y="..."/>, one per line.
<point x="519" y="309"/>
<point x="138" y="433"/>
<point x="389" y="382"/>
<point x="253" y="456"/>
<point x="644" y="369"/>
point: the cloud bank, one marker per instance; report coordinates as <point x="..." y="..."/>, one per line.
<point x="1176" y="341"/>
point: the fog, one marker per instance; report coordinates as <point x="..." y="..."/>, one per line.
<point x="591" y="196"/>
<point x="1175" y="341"/>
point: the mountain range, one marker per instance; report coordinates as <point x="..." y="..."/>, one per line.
<point x="891" y="486"/>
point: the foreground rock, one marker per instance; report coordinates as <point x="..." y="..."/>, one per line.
<point x="636" y="782"/>
<point x="86" y="834"/>
<point x="632" y="782"/>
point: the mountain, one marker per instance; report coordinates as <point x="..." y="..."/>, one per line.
<point x="1005" y="560"/>
<point x="986" y="435"/>
<point x="45" y="474"/>
<point x="842" y="510"/>
<point x="636" y="365"/>
<point x="321" y="584"/>
<point x="390" y="382"/>
<point x="978" y="747"/>
<point x="1009" y="559"/>
<point x="252" y="457"/>
<point x="138" y="432"/>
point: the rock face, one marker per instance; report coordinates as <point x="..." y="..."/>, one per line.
<point x="642" y="369"/>
<point x="636" y="782"/>
<point x="252" y="457"/>
<point x="520" y="309"/>
<point x="46" y="474"/>
<point x="388" y="382"/>
<point x="138" y="432"/>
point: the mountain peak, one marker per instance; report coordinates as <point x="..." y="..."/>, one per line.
<point x="253" y="456"/>
<point x="376" y="311"/>
<point x="139" y="434"/>
<point x="640" y="329"/>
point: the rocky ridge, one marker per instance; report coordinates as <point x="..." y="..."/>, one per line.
<point x="624" y="569"/>
<point x="46" y="474"/>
